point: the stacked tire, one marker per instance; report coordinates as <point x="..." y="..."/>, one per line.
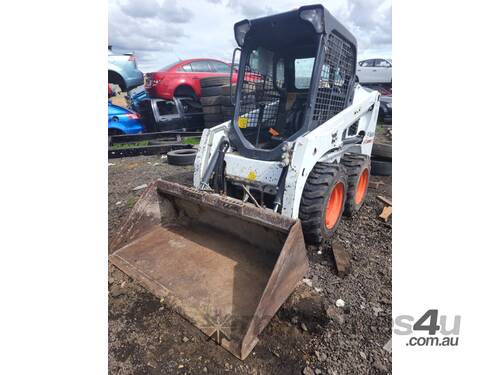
<point x="216" y="100"/>
<point x="381" y="160"/>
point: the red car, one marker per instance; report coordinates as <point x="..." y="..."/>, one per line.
<point x="182" y="78"/>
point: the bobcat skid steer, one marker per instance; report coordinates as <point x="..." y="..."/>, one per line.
<point x="226" y="253"/>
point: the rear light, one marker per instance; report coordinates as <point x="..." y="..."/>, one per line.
<point x="133" y="116"/>
<point x="131" y="58"/>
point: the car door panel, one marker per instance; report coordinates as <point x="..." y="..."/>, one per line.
<point x="365" y="71"/>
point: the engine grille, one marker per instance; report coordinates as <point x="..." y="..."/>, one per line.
<point x="335" y="86"/>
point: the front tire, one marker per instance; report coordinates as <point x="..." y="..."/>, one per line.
<point x="323" y="202"/>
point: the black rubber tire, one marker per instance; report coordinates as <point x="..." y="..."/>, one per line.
<point x="214" y="81"/>
<point x="217" y="90"/>
<point x="117" y="79"/>
<point x="215" y="100"/>
<point x="320" y="183"/>
<point x="212" y="109"/>
<point x="381" y="167"/>
<point x="382" y="151"/>
<point x="227" y="111"/>
<point x="355" y="165"/>
<point x="215" y="117"/>
<point x="185" y="92"/>
<point x="184" y="156"/>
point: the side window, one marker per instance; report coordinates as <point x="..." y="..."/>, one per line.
<point x="367" y="63"/>
<point x="186" y="68"/>
<point x="382" y="63"/>
<point x="166" y="108"/>
<point x="303" y="72"/>
<point x="220" y="67"/>
<point x="201" y="66"/>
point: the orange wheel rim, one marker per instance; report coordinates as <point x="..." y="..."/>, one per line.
<point x="334" y="206"/>
<point x="361" y="189"/>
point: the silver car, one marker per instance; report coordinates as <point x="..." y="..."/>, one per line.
<point x="374" y="71"/>
<point x="122" y="70"/>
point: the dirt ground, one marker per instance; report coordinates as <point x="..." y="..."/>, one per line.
<point x="309" y="334"/>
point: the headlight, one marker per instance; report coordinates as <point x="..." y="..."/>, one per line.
<point x="389" y="105"/>
<point x="240" y="30"/>
<point x="315" y="17"/>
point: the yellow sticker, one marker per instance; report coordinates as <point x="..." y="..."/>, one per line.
<point x="242" y="122"/>
<point x="252" y="176"/>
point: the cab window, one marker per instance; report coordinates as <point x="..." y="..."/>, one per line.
<point x="303" y="72"/>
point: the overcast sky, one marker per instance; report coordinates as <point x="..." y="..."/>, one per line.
<point x="163" y="31"/>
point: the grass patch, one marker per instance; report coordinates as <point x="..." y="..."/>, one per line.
<point x="121" y="146"/>
<point x="191" y="140"/>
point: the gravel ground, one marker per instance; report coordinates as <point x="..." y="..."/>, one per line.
<point x="309" y="335"/>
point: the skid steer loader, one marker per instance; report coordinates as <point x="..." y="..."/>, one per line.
<point x="227" y="252"/>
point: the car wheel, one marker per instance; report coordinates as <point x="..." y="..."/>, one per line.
<point x="185" y="92"/>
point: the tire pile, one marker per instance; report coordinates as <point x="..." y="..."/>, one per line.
<point x="216" y="100"/>
<point x="381" y="159"/>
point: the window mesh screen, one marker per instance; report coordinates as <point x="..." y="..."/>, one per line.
<point x="259" y="100"/>
<point x="336" y="75"/>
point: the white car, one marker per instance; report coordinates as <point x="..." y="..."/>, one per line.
<point x="374" y="71"/>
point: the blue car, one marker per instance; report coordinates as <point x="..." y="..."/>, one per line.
<point x="123" y="121"/>
<point x="123" y="71"/>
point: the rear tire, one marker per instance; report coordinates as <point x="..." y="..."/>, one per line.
<point x="323" y="201"/>
<point x="358" y="171"/>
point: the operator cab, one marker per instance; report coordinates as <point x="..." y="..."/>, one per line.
<point x="296" y="71"/>
<point x="274" y="96"/>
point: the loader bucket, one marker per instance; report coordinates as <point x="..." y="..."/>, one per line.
<point x="224" y="265"/>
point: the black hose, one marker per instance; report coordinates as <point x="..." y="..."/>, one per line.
<point x="278" y="199"/>
<point x="219" y="178"/>
<point x="213" y="164"/>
